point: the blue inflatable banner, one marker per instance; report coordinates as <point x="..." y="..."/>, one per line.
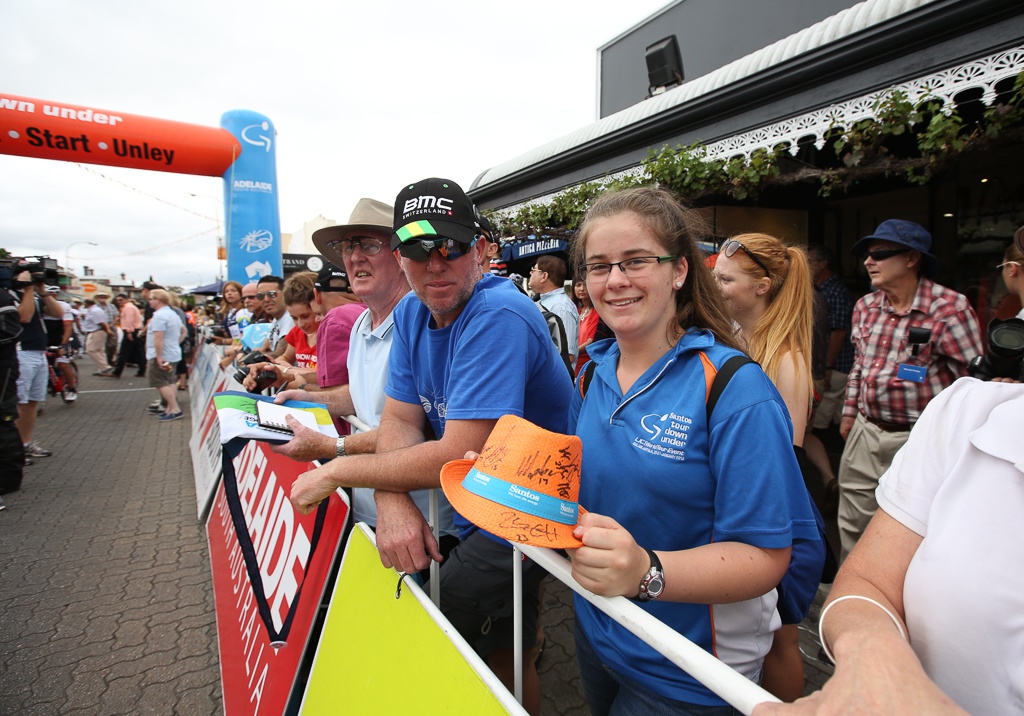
<point x="253" y="236"/>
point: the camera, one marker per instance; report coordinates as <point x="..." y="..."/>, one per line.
<point x="1004" y="357"/>
<point x="215" y="333"/>
<point x="42" y="269"/>
<point x="264" y="378"/>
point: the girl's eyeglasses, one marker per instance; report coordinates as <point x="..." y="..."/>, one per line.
<point x="1008" y="263"/>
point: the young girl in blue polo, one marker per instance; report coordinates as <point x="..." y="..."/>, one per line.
<point x="694" y="520"/>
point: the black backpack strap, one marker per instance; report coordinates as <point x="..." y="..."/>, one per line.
<point x="586" y="375"/>
<point x="722" y="378"/>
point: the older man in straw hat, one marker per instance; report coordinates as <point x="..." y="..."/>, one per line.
<point x="439" y="385"/>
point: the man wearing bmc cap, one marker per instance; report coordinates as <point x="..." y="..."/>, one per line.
<point x="912" y="338"/>
<point x="448" y="336"/>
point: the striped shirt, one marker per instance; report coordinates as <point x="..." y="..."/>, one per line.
<point x="880" y="339"/>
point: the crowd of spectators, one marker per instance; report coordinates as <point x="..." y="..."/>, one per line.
<point x="405" y="325"/>
<point x="641" y="311"/>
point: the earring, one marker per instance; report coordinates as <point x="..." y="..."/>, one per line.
<point x="679" y="284"/>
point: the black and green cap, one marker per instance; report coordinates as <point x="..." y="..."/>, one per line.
<point x="434" y="208"/>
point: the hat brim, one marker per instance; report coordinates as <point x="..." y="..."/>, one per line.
<point x="322" y="238"/>
<point x="516" y="526"/>
<point x="447" y="229"/>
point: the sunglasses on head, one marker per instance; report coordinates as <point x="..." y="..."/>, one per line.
<point x="729" y="249"/>
<point x="883" y="254"/>
<point x="449" y="249"/>
<point x="267" y="294"/>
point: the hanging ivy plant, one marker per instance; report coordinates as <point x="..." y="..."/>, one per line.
<point x="902" y="139"/>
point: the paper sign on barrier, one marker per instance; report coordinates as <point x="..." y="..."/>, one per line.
<point x="382" y="654"/>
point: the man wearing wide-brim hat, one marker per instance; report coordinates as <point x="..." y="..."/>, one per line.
<point x="912" y="338"/>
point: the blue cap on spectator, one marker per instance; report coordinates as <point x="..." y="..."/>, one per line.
<point x="906" y="233"/>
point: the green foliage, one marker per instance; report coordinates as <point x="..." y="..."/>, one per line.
<point x="902" y="139"/>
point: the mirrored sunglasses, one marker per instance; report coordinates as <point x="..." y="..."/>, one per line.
<point x="449" y="249"/>
<point x="267" y="294"/>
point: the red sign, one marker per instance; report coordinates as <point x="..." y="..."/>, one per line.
<point x="42" y="128"/>
<point x="258" y="677"/>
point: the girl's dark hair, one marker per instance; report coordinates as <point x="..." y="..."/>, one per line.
<point x="699" y="302"/>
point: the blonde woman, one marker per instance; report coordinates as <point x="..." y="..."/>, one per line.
<point x="768" y="286"/>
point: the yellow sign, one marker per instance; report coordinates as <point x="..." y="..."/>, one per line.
<point x="379" y="654"/>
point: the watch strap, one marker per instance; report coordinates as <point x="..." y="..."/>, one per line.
<point x="339" y="449"/>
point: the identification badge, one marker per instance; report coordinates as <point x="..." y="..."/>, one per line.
<point x="913" y="373"/>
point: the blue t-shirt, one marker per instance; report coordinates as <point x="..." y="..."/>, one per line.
<point x="651" y="463"/>
<point x="495" y="359"/>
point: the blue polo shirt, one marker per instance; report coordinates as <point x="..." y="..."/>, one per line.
<point x="495" y="359"/>
<point x="651" y="462"/>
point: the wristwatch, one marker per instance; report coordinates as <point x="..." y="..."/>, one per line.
<point x="339" y="448"/>
<point x="653" y="582"/>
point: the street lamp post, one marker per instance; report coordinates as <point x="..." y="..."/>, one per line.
<point x="67" y="257"/>
<point x="217" y="214"/>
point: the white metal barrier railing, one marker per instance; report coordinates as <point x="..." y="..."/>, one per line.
<point x="730" y="685"/>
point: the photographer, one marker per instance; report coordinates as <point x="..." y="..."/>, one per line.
<point x="33" y="301"/>
<point x="12" y="453"/>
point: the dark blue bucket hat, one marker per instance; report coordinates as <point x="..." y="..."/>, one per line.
<point x="908" y="234"/>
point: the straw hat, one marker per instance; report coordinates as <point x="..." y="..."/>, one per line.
<point x="369" y="215"/>
<point x="524" y="487"/>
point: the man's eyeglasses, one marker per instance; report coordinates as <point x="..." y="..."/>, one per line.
<point x="636" y="266"/>
<point x="253" y="297"/>
<point x="729" y="249"/>
<point x="883" y="254"/>
<point x="450" y="249"/>
<point x="267" y="294"/>
<point x="1008" y="263"/>
<point x="367" y="244"/>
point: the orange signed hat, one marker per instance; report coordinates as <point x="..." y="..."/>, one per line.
<point x="524" y="487"/>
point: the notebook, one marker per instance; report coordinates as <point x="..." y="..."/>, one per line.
<point x="271" y="417"/>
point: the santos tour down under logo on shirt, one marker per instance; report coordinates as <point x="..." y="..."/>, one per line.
<point x="666" y="435"/>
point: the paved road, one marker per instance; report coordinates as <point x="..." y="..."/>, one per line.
<point x="106" y="601"/>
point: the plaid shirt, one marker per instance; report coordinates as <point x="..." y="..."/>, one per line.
<point x="879" y="337"/>
<point x="840" y="309"/>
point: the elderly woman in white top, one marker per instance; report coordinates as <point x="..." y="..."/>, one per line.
<point x="927" y="613"/>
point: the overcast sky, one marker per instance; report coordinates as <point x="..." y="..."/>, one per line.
<point x="365" y="96"/>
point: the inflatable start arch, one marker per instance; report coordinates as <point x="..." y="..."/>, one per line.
<point x="241" y="151"/>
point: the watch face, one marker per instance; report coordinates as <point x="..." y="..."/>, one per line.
<point x="655" y="586"/>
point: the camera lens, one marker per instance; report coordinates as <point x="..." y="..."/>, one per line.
<point x="1008" y="337"/>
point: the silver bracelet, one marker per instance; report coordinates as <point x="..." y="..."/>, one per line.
<point x="339" y="448"/>
<point x="821" y="620"/>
